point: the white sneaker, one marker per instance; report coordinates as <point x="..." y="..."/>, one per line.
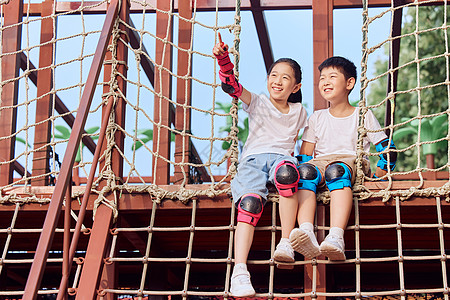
<point x="304" y="242"/>
<point x="284" y="252"/>
<point x="241" y="285"/>
<point x="333" y="247"/>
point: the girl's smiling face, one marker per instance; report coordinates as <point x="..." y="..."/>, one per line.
<point x="281" y="82"/>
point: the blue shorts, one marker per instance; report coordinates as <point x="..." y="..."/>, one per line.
<point x="254" y="172"/>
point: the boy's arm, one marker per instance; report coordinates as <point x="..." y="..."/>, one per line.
<point x="306" y="152"/>
<point x="307" y="148"/>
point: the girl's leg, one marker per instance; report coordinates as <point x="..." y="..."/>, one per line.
<point x="288" y="207"/>
<point x="243" y="241"/>
<point x="241" y="285"/>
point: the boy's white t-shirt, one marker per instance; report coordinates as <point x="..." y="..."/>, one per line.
<point x="271" y="131"/>
<point x="339" y="135"/>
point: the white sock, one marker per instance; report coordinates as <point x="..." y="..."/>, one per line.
<point x="240" y="266"/>
<point x="337" y="231"/>
<point x="307" y="226"/>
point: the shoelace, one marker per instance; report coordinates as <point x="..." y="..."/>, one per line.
<point x="243" y="279"/>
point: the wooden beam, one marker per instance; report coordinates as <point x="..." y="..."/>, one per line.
<point x="60" y="107"/>
<point x="92" y="7"/>
<point x="163" y="91"/>
<point x="183" y="113"/>
<point x="322" y="43"/>
<point x="263" y="34"/>
<point x="44" y="106"/>
<point x="146" y="63"/>
<point x="11" y="42"/>
<point x="394" y="54"/>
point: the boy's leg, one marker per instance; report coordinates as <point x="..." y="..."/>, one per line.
<point x="303" y="239"/>
<point x="341" y="203"/>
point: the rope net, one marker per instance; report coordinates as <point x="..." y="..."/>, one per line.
<point x="204" y="143"/>
<point x="415" y="107"/>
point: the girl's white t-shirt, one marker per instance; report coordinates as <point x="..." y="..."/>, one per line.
<point x="339" y="135"/>
<point x="271" y="131"/>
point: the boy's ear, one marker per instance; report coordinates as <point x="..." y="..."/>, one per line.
<point x="351" y="83"/>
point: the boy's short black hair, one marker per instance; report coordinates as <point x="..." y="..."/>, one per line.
<point x="344" y="65"/>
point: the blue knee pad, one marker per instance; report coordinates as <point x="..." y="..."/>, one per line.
<point x="309" y="177"/>
<point x="338" y="176"/>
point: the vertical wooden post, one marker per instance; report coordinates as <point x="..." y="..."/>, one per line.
<point x="100" y="237"/>
<point x="41" y="156"/>
<point x="183" y="114"/>
<point x="323" y="42"/>
<point x="11" y="42"/>
<point x="163" y="88"/>
<point x="322" y="49"/>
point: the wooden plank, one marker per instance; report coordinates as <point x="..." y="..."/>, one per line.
<point x="11" y="42"/>
<point x="183" y="113"/>
<point x="322" y="43"/>
<point x="263" y="34"/>
<point x="44" y="106"/>
<point x="163" y="90"/>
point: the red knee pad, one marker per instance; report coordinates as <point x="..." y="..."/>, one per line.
<point x="286" y="178"/>
<point x="250" y="209"/>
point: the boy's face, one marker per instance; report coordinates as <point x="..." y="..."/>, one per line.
<point x="333" y="86"/>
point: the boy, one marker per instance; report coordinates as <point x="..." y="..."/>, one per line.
<point x="331" y="137"/>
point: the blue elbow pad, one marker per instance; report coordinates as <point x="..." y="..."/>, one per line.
<point x="302" y="158"/>
<point x="383" y="161"/>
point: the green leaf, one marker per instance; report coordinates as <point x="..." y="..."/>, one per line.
<point x="403" y="132"/>
<point x="65" y="132"/>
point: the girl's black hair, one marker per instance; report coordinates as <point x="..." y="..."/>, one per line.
<point x="294" y="97"/>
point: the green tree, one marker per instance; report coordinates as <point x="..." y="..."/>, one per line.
<point x="430" y="43"/>
<point x="146" y="135"/>
<point x="63" y="133"/>
<point x="243" y="130"/>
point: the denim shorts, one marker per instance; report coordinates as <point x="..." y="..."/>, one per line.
<point x="254" y="172"/>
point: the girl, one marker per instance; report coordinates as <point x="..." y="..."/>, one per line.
<point x="267" y="156"/>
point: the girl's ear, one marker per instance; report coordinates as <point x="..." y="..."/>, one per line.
<point x="297" y="87"/>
